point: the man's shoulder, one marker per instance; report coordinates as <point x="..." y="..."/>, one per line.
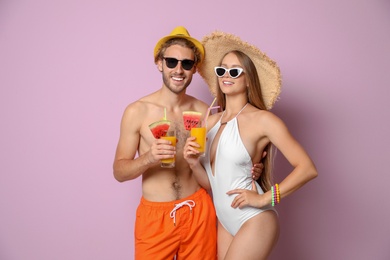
<point x="194" y="99"/>
<point x="196" y="104"/>
<point x="142" y="103"/>
<point x="136" y="105"/>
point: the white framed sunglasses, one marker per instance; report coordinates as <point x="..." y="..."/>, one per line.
<point x="233" y="72"/>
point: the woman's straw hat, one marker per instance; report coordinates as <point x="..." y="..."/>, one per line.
<point x="217" y="44"/>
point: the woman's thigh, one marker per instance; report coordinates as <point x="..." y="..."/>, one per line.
<point x="256" y="237"/>
<point x="224" y="239"/>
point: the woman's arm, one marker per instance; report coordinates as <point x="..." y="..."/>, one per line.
<point x="274" y="129"/>
<point x="304" y="168"/>
<point x="191" y="155"/>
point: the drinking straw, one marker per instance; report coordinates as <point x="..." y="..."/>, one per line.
<point x="209" y="110"/>
<point x="215" y="99"/>
<point x="165" y="113"/>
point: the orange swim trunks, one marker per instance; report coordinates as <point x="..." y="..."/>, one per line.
<point x="181" y="229"/>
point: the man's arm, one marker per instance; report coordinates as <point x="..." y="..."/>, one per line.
<point x="125" y="166"/>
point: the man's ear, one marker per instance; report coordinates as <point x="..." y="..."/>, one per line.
<point x="159" y="65"/>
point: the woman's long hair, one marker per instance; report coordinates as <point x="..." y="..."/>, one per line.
<point x="255" y="98"/>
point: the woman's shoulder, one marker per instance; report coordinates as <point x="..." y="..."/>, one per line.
<point x="256" y="115"/>
<point x="254" y="112"/>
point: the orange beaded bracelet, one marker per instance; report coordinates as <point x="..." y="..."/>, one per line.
<point x="275" y="197"/>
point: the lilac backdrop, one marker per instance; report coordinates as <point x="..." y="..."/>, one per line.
<point x="69" y="68"/>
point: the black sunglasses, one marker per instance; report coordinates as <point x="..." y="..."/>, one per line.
<point x="233" y="72"/>
<point x="172" y="63"/>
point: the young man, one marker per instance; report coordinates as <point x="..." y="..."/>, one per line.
<point x="176" y="216"/>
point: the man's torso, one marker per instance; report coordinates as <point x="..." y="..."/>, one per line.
<point x="167" y="184"/>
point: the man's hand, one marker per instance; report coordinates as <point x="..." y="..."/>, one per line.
<point x="258" y="168"/>
<point x="161" y="149"/>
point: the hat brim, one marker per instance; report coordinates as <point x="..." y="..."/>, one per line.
<point x="217" y="44"/>
<point x="197" y="44"/>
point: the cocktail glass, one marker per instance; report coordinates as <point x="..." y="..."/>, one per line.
<point x="170" y="136"/>
<point x="200" y="132"/>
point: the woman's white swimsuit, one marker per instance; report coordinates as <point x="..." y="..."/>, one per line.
<point x="233" y="166"/>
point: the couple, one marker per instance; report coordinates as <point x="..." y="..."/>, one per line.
<point x="176" y="215"/>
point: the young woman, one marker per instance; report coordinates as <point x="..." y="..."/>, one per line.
<point x="247" y="222"/>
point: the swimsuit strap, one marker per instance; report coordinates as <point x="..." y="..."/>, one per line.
<point x="220" y="119"/>
<point x="241" y="110"/>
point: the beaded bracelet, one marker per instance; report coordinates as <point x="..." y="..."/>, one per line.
<point x="275" y="195"/>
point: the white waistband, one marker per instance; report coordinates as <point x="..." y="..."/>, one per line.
<point x="189" y="203"/>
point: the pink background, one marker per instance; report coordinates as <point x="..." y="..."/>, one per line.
<point x="68" y="69"/>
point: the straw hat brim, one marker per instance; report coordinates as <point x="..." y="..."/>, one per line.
<point x="217" y="44"/>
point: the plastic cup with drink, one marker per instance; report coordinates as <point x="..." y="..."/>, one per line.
<point x="162" y="129"/>
<point x="197" y="127"/>
<point x="200" y="132"/>
<point x="170" y="136"/>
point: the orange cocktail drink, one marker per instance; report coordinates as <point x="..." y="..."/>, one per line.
<point x="200" y="133"/>
<point x="170" y="162"/>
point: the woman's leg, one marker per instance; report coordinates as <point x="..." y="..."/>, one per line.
<point x="256" y="237"/>
<point x="223" y="241"/>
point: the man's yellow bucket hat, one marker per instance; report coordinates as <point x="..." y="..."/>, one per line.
<point x="179" y="32"/>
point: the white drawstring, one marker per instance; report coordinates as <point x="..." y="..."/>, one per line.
<point x="189" y="203"/>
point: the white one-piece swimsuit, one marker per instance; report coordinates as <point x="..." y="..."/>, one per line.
<point x="233" y="166"/>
